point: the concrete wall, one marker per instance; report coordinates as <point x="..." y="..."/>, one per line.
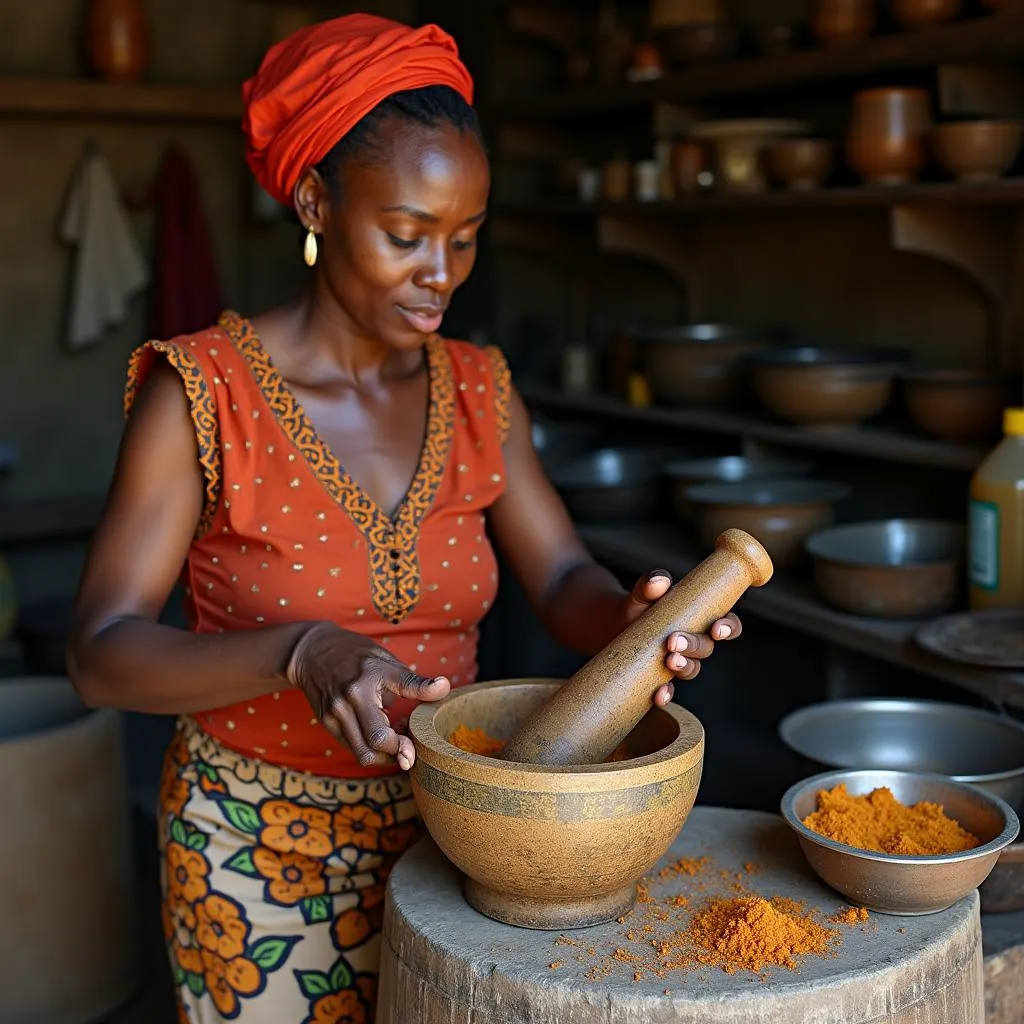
<point x="64" y="409"/>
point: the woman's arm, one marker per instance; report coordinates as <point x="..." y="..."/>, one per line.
<point x="119" y="655"/>
<point x="580" y="602"/>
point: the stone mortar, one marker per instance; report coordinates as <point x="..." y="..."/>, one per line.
<point x="551" y="847"/>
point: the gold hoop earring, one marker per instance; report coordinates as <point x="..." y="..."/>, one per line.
<point x="309" y="250"/>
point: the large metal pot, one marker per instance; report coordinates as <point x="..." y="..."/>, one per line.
<point x="557" y="441"/>
<point x="967" y="744"/>
<point x="699" y="364"/>
<point x="68" y="942"/>
<point x="615" y="485"/>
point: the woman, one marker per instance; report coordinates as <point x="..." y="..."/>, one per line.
<point x="328" y="477"/>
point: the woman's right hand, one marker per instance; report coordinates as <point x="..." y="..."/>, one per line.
<point x="349" y="681"/>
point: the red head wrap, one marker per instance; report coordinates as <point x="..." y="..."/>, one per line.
<point x="313" y="87"/>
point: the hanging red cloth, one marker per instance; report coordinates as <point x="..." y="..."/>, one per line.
<point x="186" y="283"/>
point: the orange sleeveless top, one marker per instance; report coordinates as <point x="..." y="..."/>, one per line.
<point x="287" y="535"/>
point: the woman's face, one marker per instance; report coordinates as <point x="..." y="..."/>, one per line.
<point x="401" y="237"/>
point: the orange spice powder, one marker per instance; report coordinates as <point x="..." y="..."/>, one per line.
<point x="879" y="822"/>
<point x="477" y="741"/>
<point x="679" y="933"/>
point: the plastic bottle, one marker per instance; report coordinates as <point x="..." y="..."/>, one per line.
<point x="996" y="523"/>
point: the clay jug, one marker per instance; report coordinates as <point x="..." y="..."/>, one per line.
<point x="118" y="41"/>
<point x="835" y="22"/>
<point x="886" y="140"/>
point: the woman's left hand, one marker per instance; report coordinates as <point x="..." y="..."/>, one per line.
<point x="684" y="652"/>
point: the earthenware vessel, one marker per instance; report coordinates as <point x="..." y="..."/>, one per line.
<point x="801" y="164"/>
<point x="911" y="13"/>
<point x="825" y="388"/>
<point x="117" y="39"/>
<point x="739" y="146"/>
<point x="699" y="364"/>
<point x="837" y="22"/>
<point x="689" y="160"/>
<point x="886" y="140"/>
<point x="780" y="513"/>
<point x="977" y="150"/>
<point x="693" y="44"/>
<point x="959" y="406"/>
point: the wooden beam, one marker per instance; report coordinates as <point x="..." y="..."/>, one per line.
<point x="92" y="99"/>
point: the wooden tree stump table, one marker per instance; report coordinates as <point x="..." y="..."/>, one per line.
<point x="444" y="962"/>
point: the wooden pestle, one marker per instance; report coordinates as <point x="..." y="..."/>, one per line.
<point x="592" y="713"/>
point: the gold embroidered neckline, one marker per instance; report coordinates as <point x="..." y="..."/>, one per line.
<point x="391" y="539"/>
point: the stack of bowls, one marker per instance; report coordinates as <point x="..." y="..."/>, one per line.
<point x="616" y="485"/>
<point x="780" y="512"/>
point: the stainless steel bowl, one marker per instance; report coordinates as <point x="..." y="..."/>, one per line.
<point x="615" y="485"/>
<point x="966" y="744"/>
<point x="686" y="473"/>
<point x="890" y="884"/>
<point x="892" y="568"/>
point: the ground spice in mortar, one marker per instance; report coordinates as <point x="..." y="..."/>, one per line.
<point x="477" y="741"/>
<point x="879" y="822"/>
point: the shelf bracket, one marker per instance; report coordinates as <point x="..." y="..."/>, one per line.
<point x="978" y="242"/>
<point x="669" y="246"/>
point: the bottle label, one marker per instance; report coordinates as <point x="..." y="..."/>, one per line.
<point x="984" y="544"/>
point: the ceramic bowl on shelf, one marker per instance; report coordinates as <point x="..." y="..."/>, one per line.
<point x="779" y="512"/>
<point x="840" y="22"/>
<point x="891" y="568"/>
<point x="739" y="146"/>
<point x="683" y="45"/>
<point x="801" y="164"/>
<point x="885" y="143"/>
<point x="726" y="469"/>
<point x="977" y="150"/>
<point x="699" y="364"/>
<point x="959" y="406"/>
<point x="911" y="13"/>
<point x="825" y="387"/>
<point x="890" y="883"/>
<point x="779" y="40"/>
<point x="624" y="484"/>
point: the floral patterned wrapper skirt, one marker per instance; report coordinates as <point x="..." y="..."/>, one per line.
<point x="273" y="885"/>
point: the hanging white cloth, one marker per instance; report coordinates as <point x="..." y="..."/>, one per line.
<point x="109" y="266"/>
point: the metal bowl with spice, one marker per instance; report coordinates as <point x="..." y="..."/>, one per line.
<point x="895" y="883"/>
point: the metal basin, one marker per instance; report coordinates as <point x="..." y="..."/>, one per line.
<point x="615" y="485"/>
<point x="779" y="513"/>
<point x="891" y="884"/>
<point x="966" y="744"/>
<point x="893" y="568"/>
<point x="728" y="469"/>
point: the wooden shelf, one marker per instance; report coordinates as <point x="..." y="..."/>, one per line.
<point x="24" y="521"/>
<point x="77" y="99"/>
<point x="638" y="549"/>
<point x="991" y="38"/>
<point x="1006" y="192"/>
<point x="868" y="442"/>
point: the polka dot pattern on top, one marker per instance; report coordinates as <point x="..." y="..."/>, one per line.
<point x="286" y="535"/>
